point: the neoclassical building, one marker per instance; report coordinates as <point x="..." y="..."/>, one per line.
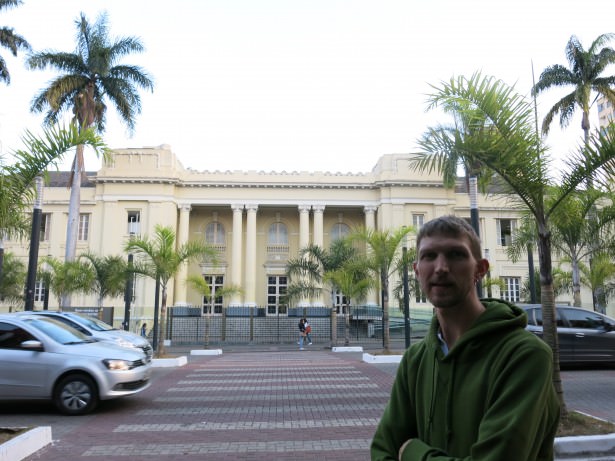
<point x="256" y="220"/>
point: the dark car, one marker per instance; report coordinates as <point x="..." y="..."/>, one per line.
<point x="584" y="336"/>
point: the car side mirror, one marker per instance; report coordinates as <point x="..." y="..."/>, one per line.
<point x="32" y="345"/>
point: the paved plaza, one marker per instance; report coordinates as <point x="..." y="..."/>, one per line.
<point x="249" y="406"/>
<point x="270" y="404"/>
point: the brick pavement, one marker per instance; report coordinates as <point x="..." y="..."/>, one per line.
<point x="241" y="406"/>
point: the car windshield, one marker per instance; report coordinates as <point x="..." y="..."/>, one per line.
<point x="58" y="331"/>
<point x="90" y="322"/>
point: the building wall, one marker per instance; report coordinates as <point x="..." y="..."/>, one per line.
<point x="154" y="184"/>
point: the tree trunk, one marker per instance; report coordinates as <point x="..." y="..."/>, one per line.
<point x="576" y="282"/>
<point x="386" y="337"/>
<point x="547" y="298"/>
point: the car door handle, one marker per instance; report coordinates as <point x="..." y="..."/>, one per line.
<point x="580" y="335"/>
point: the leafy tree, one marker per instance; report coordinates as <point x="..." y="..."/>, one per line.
<point x="12" y="280"/>
<point x="10" y="40"/>
<point x="307" y="273"/>
<point x="158" y="258"/>
<point x="600" y="277"/>
<point x="354" y="281"/>
<point x="562" y="283"/>
<point x="383" y="253"/>
<point x="110" y="275"/>
<point x="584" y="76"/>
<point x="67" y="277"/>
<point x="91" y="78"/>
<point x="17" y="191"/>
<point x="513" y="153"/>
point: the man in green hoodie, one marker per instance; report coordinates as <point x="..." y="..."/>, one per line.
<point x="478" y="386"/>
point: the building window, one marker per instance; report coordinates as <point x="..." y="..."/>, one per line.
<point x="45" y="227"/>
<point x="506" y="229"/>
<point x="339" y="231"/>
<point x="419" y="295"/>
<point x="417" y="221"/>
<point x="213" y="303"/>
<point x="39" y="291"/>
<point x="214" y="234"/>
<point x="84" y="226"/>
<point x="278" y="234"/>
<point x="134" y="222"/>
<point x="276" y="290"/>
<point x="340" y="302"/>
<point x="512" y="289"/>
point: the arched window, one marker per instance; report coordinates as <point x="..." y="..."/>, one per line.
<point x="339" y="230"/>
<point x="214" y="234"/>
<point x="278" y="234"/>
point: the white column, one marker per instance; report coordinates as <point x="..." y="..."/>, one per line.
<point x="181" y="288"/>
<point x="319" y="232"/>
<point x="304" y="238"/>
<point x="237" y="240"/>
<point x="370" y="223"/>
<point x="250" y="285"/>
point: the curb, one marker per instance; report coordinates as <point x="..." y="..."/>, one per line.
<point x="173" y="362"/>
<point x="206" y="352"/>
<point x="25" y="444"/>
<point x="369" y="358"/>
<point x="584" y="446"/>
<point x="347" y="349"/>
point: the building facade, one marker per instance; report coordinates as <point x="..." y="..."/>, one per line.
<point x="256" y="220"/>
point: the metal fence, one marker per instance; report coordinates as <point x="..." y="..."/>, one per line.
<point x="251" y="325"/>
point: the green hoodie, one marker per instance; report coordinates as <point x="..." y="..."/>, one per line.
<point x="490" y="399"/>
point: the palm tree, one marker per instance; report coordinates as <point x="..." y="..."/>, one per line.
<point x="600" y="278"/>
<point x="584" y="75"/>
<point x="384" y="258"/>
<point x="67" y="277"/>
<point x="199" y="284"/>
<point x="91" y="78"/>
<point x="352" y="279"/>
<point x="513" y="153"/>
<point x="110" y="275"/>
<point x="17" y="190"/>
<point x="307" y="273"/>
<point x="157" y="257"/>
<point x="580" y="226"/>
<point x="10" y="40"/>
<point x="12" y="280"/>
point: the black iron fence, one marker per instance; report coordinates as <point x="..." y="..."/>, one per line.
<point x="251" y="325"/>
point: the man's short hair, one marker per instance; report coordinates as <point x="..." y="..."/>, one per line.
<point x="451" y="226"/>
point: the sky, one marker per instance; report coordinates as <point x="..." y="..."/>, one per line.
<point x="301" y="85"/>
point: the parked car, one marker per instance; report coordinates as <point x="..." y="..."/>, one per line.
<point x="584" y="336"/>
<point x="100" y="330"/>
<point x="42" y="358"/>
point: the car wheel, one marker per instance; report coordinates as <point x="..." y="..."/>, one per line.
<point x="75" y="395"/>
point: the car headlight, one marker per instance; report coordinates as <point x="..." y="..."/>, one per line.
<point x="118" y="365"/>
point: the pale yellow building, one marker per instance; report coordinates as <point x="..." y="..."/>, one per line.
<point x="257" y="220"/>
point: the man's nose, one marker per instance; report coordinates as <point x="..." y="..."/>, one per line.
<point x="441" y="264"/>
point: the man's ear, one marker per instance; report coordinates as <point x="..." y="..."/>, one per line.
<point x="482" y="267"/>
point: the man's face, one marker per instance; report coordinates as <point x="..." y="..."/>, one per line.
<point x="447" y="270"/>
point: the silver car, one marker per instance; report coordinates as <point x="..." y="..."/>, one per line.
<point x="584" y="336"/>
<point x="42" y="358"/>
<point x="98" y="329"/>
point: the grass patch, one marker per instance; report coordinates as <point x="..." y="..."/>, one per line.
<point x="575" y="423"/>
<point x="7" y="433"/>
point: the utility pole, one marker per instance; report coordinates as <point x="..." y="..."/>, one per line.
<point x="37" y="215"/>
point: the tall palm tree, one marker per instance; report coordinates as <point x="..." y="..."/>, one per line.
<point x="10" y="40"/>
<point x="384" y="254"/>
<point x="91" y="77"/>
<point x="17" y="190"/>
<point x="110" y="275"/>
<point x="515" y="156"/>
<point x="584" y="76"/>
<point x="307" y="273"/>
<point x="157" y="257"/>
<point x="353" y="279"/>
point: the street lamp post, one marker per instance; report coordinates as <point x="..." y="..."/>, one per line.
<point x="474" y="219"/>
<point x="406" y="297"/>
<point x="128" y="294"/>
<point x="37" y="216"/>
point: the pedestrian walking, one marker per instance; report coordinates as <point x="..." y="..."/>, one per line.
<point x="301" y="326"/>
<point x="308" y="331"/>
<point x="144" y="330"/>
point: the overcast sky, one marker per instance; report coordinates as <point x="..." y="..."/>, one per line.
<point x="318" y="85"/>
